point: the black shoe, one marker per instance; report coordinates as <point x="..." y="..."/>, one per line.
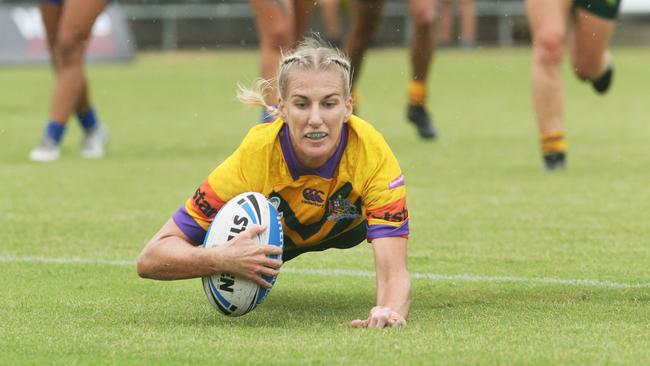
<point x="554" y="161"/>
<point x="420" y="118"/>
<point x="601" y="85"/>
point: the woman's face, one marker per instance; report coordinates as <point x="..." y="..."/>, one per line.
<point x="315" y="109"/>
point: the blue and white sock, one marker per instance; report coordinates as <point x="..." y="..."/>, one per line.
<point x="55" y="130"/>
<point x="88" y="120"/>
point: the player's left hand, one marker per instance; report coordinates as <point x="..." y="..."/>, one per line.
<point x="380" y="317"/>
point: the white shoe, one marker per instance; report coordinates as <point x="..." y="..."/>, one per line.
<point x="93" y="143"/>
<point x="46" y="151"/>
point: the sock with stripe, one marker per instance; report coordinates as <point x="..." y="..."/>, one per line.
<point x="417" y="92"/>
<point x="554" y="148"/>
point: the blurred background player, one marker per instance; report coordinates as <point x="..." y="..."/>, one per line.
<point x="68" y="24"/>
<point x="593" y="26"/>
<point x="280" y="26"/>
<point x="467" y="20"/>
<point x="366" y="15"/>
<point x="330" y="13"/>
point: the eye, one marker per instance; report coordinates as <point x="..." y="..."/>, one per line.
<point x="301" y="104"/>
<point x="330" y="103"/>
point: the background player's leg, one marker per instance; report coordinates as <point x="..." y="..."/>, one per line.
<point x="275" y="27"/>
<point x="332" y="21"/>
<point x="444" y="29"/>
<point x="467" y="10"/>
<point x="67" y="39"/>
<point x="548" y="23"/>
<point x="366" y="16"/>
<point x="422" y="13"/>
<point x="589" y="51"/>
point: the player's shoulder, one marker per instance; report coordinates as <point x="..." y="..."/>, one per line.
<point x="368" y="140"/>
<point x="261" y="136"/>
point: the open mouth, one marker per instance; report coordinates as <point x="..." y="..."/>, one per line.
<point x="316" y="135"/>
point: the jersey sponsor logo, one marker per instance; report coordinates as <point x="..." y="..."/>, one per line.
<point x="313" y="197"/>
<point x="202" y="204"/>
<point x="341" y="209"/>
<point x="397" y="182"/>
<point x="394" y="212"/>
<point x="392" y="216"/>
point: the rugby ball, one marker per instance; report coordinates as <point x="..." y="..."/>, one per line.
<point x="231" y="295"/>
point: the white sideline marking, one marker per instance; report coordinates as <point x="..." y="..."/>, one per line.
<point x="352" y="273"/>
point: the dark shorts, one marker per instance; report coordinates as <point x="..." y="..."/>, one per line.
<point x="607" y="9"/>
<point x="52" y="1"/>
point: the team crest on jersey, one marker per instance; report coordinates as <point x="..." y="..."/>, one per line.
<point x="341" y="209"/>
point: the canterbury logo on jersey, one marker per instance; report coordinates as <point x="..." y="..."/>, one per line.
<point x="313" y="196"/>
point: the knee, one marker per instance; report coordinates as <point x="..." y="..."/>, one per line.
<point x="69" y="47"/>
<point x="549" y="48"/>
<point x="423" y="22"/>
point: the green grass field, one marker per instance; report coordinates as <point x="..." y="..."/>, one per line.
<point x="511" y="265"/>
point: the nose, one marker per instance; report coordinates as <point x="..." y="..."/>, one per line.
<point x="315" y="119"/>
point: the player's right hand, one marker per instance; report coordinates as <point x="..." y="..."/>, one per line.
<point x="244" y="256"/>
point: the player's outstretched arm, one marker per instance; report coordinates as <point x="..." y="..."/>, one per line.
<point x="170" y="256"/>
<point x="393" y="285"/>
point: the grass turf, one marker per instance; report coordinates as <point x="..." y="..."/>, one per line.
<point x="479" y="201"/>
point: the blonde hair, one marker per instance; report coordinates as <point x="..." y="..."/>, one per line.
<point x="311" y="54"/>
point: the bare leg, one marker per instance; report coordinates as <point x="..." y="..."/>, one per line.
<point x="51" y="15"/>
<point x="548" y="21"/>
<point x="366" y="15"/>
<point x="302" y="12"/>
<point x="422" y="13"/>
<point x="446" y="21"/>
<point x="467" y="23"/>
<point x="74" y="30"/>
<point x="590" y="42"/>
<point x="331" y="21"/>
<point x="275" y="26"/>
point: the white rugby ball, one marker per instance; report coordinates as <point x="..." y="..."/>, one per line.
<point x="231" y="295"/>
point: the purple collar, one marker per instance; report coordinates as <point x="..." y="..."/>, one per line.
<point x="297" y="169"/>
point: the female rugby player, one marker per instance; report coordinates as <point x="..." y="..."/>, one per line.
<point x="331" y="174"/>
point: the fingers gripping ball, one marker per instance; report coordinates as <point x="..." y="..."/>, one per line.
<point x="231" y="295"/>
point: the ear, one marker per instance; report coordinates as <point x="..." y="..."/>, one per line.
<point x="282" y="108"/>
<point x="349" y="106"/>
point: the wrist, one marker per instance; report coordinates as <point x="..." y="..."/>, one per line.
<point x="212" y="259"/>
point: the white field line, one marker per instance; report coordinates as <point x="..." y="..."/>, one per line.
<point x="352" y="273"/>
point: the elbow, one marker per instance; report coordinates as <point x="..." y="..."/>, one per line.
<point x="144" y="266"/>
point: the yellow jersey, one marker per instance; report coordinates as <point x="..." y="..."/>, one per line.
<point x="358" y="194"/>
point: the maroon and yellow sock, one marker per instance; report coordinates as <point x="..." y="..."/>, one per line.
<point x="417" y="91"/>
<point x="553" y="142"/>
